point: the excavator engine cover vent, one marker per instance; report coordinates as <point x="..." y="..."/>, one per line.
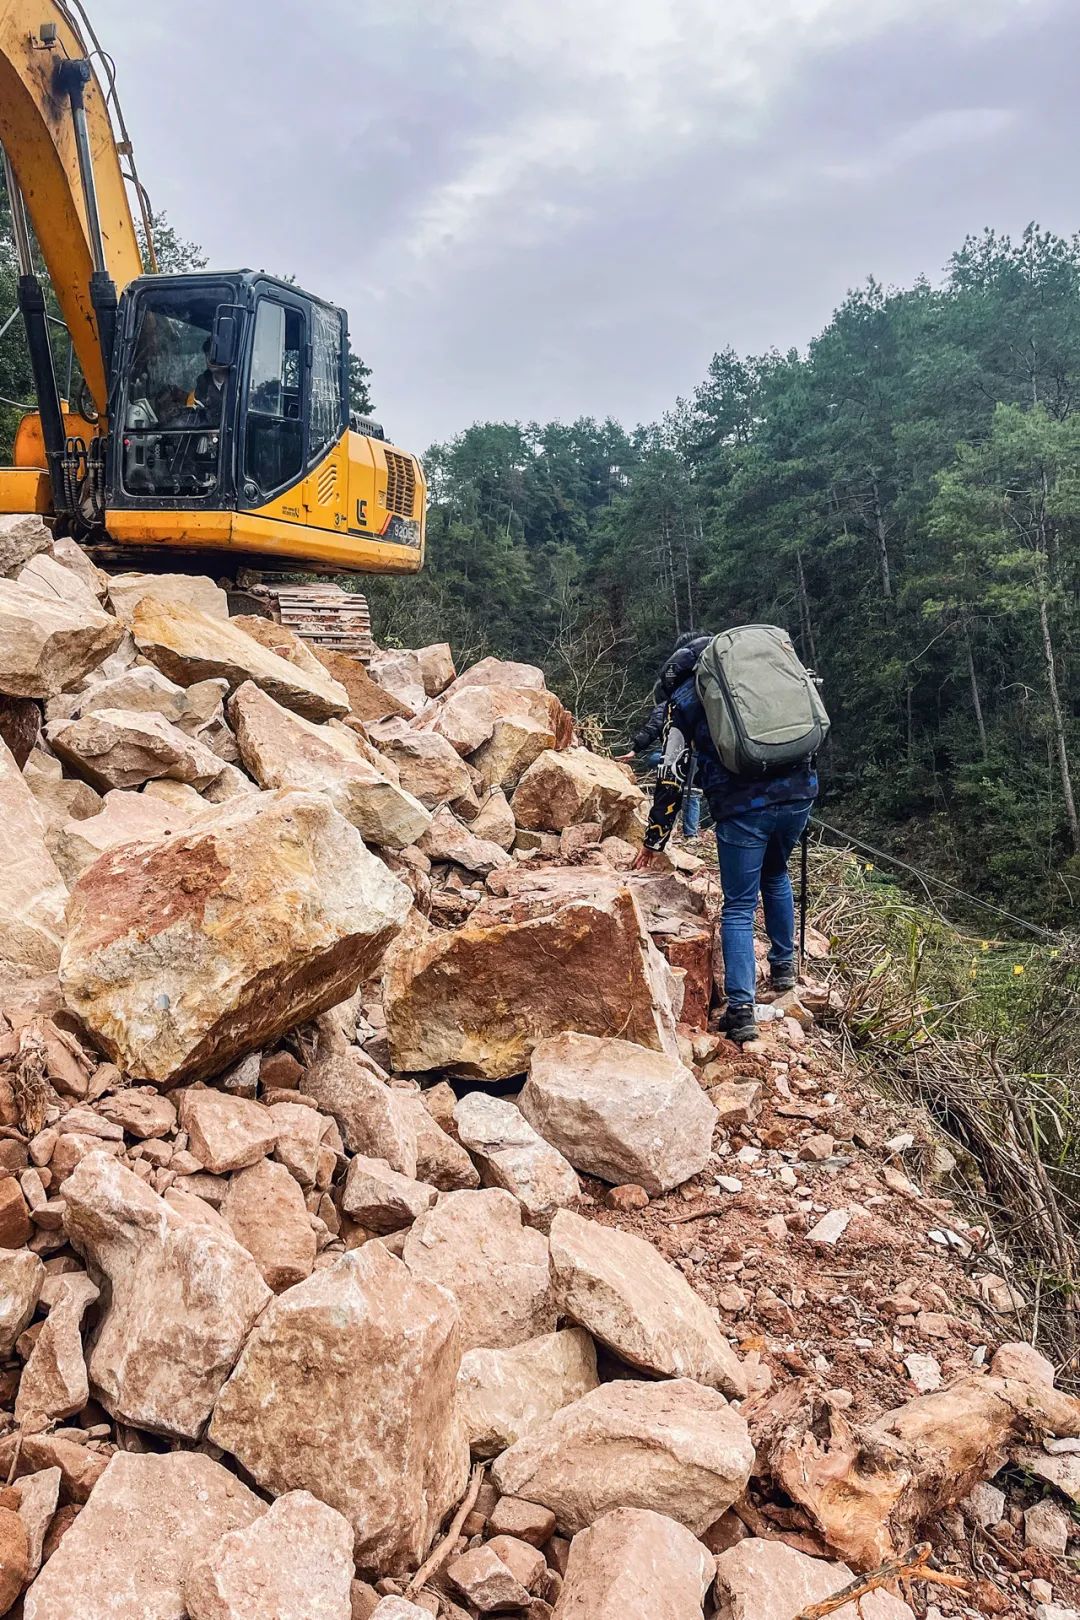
<point x="327" y="483"/>
<point x="400" y="484"/>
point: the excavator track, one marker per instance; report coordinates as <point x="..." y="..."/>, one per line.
<point x="320" y="612"/>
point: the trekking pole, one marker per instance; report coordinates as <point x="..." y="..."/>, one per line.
<point x="803" y="894"/>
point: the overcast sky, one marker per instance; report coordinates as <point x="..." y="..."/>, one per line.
<point x="553" y="208"/>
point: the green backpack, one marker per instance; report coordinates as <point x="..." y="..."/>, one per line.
<point x="762" y="706"/>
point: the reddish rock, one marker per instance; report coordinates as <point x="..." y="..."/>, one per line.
<point x="265" y="1211"/>
<point x="633" y="1564"/>
<point x="14" y="1557"/>
<point x="127" y="1555"/>
<point x="293" y="1563"/>
<point x="225" y="1133"/>
<point x="475" y="1246"/>
<point x="185" y="953"/>
<point x="546" y="957"/>
<point x="481" y="1576"/>
<point x="182" y="1299"/>
<point x="14" y="1216"/>
<point x="371" y="1426"/>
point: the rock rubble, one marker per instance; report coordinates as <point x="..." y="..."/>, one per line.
<point x="360" y="1126"/>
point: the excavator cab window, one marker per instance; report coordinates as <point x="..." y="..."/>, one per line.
<point x="274" y="439"/>
<point x="176" y="398"/>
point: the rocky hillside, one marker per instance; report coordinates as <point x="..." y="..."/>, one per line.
<point x="383" y="1231"/>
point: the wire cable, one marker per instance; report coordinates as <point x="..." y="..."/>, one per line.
<point x="950" y="888"/>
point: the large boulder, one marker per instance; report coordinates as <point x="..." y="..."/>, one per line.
<point x="447" y="839"/>
<point x="124" y="818"/>
<point x="145" y="688"/>
<point x="283" y="750"/>
<point x="463" y="719"/>
<point x="495" y="820"/>
<point x="501" y="672"/>
<point x="516" y="742"/>
<point x="33" y="897"/>
<point x="183" y="1296"/>
<point x="619" y="1111"/>
<point x="401" y="673"/>
<point x="633" y="1564"/>
<point x="126" y="591"/>
<point x="511" y="1155"/>
<point x="189" y="646"/>
<point x="48" y="644"/>
<point x="149" y="1519"/>
<point x="767" y="1580"/>
<point x="194" y="949"/>
<point x="502" y="1394"/>
<point x="48" y="578"/>
<point x="560" y="789"/>
<point x="475" y="1245"/>
<point x="371" y="1425"/>
<point x="675" y="1448"/>
<point x="21" y="537"/>
<point x="368" y="701"/>
<point x="436" y="664"/>
<point x="629" y="1297"/>
<point x="429" y="767"/>
<point x="545" y="958"/>
<point x="123" y="748"/>
<point x="294" y="1563"/>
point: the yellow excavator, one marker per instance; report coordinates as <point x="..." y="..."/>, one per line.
<point x="213" y="432"/>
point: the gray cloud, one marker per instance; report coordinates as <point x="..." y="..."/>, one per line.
<point x="564" y="207"/>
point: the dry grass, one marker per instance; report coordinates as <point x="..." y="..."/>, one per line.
<point x="984" y="1035"/>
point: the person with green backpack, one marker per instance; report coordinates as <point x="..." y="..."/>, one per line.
<point x="749" y="718"/>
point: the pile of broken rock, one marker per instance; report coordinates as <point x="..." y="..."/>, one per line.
<point x="345" y="1072"/>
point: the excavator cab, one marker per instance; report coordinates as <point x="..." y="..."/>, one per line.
<point x="228" y="390"/>
<point x="230" y="431"/>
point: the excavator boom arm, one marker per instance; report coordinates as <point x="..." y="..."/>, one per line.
<point x="38" y="135"/>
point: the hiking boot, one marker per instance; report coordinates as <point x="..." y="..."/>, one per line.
<point x="783" y="976"/>
<point x="739" y="1025"/>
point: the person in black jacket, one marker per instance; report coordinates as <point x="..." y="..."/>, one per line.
<point x="758" y="824"/>
<point x="648" y="739"/>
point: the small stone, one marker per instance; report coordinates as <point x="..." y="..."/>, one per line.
<point x="1041" y="1591"/>
<point x="985" y="1505"/>
<point x="525" y="1521"/>
<point x="502" y="1394"/>
<point x="380" y="1199"/>
<point x="831" y="1227"/>
<point x="482" y="1577"/>
<point x="816" y="1149"/>
<point x="14" y="1215"/>
<point x="525" y="1562"/>
<point x="265" y="1211"/>
<point x="1047" y="1526"/>
<point x="21" y="1277"/>
<point x="226" y="1133"/>
<point x="15" y="1557"/>
<point x="925" y="1374"/>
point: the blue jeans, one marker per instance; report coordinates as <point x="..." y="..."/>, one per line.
<point x="691" y="806"/>
<point x="754" y="850"/>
